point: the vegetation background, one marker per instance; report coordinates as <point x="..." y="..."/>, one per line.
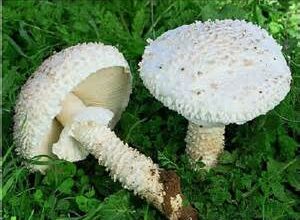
<point x="258" y="175"/>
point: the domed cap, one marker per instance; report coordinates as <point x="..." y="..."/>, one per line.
<point x="97" y="74"/>
<point x="227" y="71"/>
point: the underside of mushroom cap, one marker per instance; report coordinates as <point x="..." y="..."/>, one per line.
<point x="75" y="69"/>
<point x="227" y="71"/>
<point x="67" y="148"/>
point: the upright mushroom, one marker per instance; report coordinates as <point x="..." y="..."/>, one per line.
<point x="68" y="108"/>
<point x="214" y="74"/>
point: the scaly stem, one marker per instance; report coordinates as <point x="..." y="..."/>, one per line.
<point x="205" y="143"/>
<point x="86" y="130"/>
<point x="134" y="170"/>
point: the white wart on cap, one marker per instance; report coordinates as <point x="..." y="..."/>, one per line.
<point x="214" y="74"/>
<point x="225" y="72"/>
<point x="97" y="74"/>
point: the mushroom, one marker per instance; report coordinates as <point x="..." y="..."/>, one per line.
<point x="68" y="108"/>
<point x="94" y="73"/>
<point x="215" y="73"/>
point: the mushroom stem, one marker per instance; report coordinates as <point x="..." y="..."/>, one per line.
<point x="205" y="143"/>
<point x="132" y="169"/>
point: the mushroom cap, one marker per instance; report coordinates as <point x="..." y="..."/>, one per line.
<point x="227" y="71"/>
<point x="87" y="70"/>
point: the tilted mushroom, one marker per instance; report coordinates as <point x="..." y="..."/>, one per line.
<point x="68" y="108"/>
<point x="96" y="74"/>
<point x="214" y="74"/>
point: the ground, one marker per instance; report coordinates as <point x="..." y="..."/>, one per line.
<point x="258" y="174"/>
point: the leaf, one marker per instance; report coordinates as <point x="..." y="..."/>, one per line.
<point x="63" y="205"/>
<point x="259" y="15"/>
<point x="59" y="173"/>
<point x="86" y="204"/>
<point x="293" y="176"/>
<point x="66" y="186"/>
<point x="294" y="180"/>
<point x="219" y="194"/>
<point x="16" y="46"/>
<point x="274" y="167"/>
<point x="50" y="202"/>
<point x="139" y="22"/>
<point x="278" y="191"/>
<point x="246" y="181"/>
<point x="6" y="187"/>
<point x="90" y="193"/>
<point x="166" y="162"/>
<point x="232" y="11"/>
<point x="38" y="196"/>
<point x="275" y="27"/>
<point x="227" y="158"/>
<point x="209" y="12"/>
<point x="116" y="206"/>
<point x="288" y="146"/>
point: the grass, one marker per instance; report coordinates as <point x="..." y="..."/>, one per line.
<point x="258" y="175"/>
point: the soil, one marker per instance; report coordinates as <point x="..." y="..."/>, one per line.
<point x="171" y="183"/>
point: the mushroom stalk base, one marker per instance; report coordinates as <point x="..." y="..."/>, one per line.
<point x="204" y="143"/>
<point x="134" y="170"/>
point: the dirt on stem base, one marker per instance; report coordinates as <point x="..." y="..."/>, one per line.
<point x="171" y="183"/>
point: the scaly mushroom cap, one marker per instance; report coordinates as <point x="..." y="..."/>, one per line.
<point x="97" y="74"/>
<point x="225" y="72"/>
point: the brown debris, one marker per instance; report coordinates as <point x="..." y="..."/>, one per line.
<point x="152" y="172"/>
<point x="171" y="183"/>
<point x="188" y="213"/>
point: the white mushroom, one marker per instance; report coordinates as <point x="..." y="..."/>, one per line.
<point x="214" y="74"/>
<point x="68" y="108"/>
<point x="97" y="74"/>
